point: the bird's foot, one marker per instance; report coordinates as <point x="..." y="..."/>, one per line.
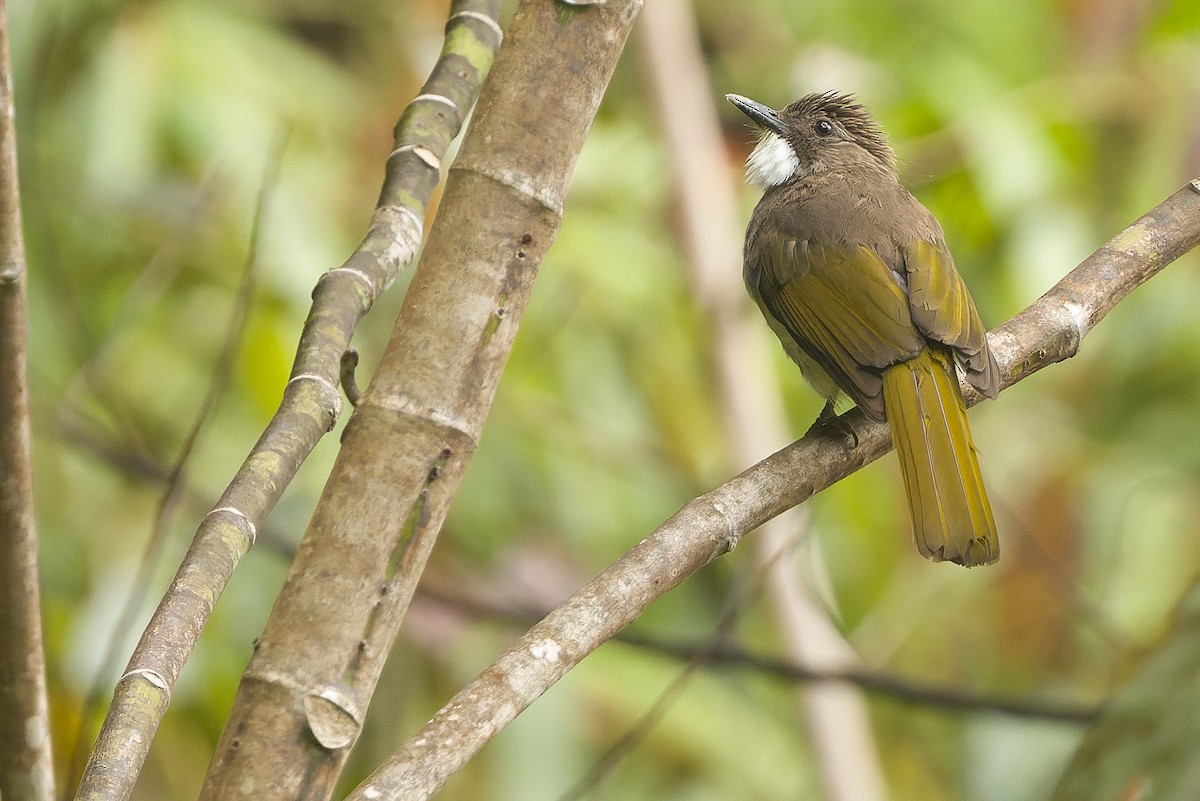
<point x="829" y="418"/>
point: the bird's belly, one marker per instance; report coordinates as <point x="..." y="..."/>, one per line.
<point x="813" y="373"/>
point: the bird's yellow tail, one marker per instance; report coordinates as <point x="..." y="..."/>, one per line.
<point x="951" y="516"/>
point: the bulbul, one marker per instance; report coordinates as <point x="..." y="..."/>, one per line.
<point x="853" y="275"/>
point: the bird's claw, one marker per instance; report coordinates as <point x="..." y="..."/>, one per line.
<point x="829" y="418"/>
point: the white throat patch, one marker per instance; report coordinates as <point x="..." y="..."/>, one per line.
<point x="772" y="162"/>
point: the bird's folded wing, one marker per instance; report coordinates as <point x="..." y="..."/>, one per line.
<point x="843" y="305"/>
<point x="943" y="310"/>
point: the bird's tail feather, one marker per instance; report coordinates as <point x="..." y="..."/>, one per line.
<point x="951" y="515"/>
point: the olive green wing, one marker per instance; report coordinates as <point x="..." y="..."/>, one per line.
<point x="842" y="305"/>
<point x="943" y="310"/>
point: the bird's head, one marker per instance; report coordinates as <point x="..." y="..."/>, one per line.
<point x="818" y="132"/>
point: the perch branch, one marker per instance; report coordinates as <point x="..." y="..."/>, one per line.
<point x="1049" y="331"/>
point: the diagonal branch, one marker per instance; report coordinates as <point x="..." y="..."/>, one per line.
<point x="26" y="770"/>
<point x="1049" y="331"/>
<point x="741" y="595"/>
<point x="310" y="406"/>
<point x="175" y="486"/>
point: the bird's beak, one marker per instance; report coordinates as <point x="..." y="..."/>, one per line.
<point x="762" y="116"/>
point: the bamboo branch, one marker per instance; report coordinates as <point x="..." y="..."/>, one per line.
<point x="175" y="486"/>
<point x="1049" y="331"/>
<point x="26" y="768"/>
<point x="310" y="406"/>
<point x="303" y="697"/>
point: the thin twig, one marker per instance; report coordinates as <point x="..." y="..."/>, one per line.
<point x="716" y="652"/>
<point x="145" y="467"/>
<point x="147" y="291"/>
<point x="887" y="685"/>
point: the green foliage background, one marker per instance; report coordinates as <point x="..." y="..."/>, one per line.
<point x="1034" y="131"/>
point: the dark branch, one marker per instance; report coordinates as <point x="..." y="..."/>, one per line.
<point x="716" y="652"/>
<point x="887" y="685"/>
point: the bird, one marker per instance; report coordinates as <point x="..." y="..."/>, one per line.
<point x="853" y="275"/>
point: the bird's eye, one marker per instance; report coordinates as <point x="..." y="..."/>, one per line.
<point x="822" y="127"/>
